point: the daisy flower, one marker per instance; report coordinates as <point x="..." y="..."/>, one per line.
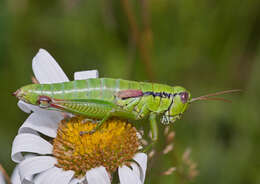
<point x="58" y="154"/>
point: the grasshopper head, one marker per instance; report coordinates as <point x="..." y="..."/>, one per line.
<point x="28" y="94"/>
<point x="180" y="100"/>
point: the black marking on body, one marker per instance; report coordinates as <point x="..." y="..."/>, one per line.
<point x="160" y="94"/>
<point x="126" y="94"/>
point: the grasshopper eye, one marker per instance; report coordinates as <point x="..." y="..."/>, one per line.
<point x="184" y="97"/>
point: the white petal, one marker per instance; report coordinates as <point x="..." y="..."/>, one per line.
<point x="46" y="69"/>
<point x="29" y="143"/>
<point x="15" y="178"/>
<point x="35" y="165"/>
<point x="78" y="181"/>
<point x="141" y="159"/>
<point x="127" y="176"/>
<point x="28" y="108"/>
<point x="45" y="122"/>
<point x="97" y="175"/>
<point x="54" y="176"/>
<point x="136" y="169"/>
<point x="86" y="74"/>
<point x="25" y="181"/>
<point x="2" y="179"/>
<point x="25" y="130"/>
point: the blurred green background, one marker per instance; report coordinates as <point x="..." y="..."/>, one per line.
<point x="203" y="45"/>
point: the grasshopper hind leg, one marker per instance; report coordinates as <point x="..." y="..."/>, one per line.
<point x="90" y="108"/>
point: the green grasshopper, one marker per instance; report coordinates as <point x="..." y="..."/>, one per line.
<point x="102" y="98"/>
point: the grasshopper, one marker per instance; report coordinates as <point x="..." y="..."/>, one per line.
<point x="102" y="98"/>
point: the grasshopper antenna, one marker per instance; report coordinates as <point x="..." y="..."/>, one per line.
<point x="211" y="96"/>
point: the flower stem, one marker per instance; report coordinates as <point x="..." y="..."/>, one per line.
<point x="6" y="176"/>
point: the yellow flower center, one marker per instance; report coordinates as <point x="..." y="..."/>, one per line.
<point x="113" y="145"/>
